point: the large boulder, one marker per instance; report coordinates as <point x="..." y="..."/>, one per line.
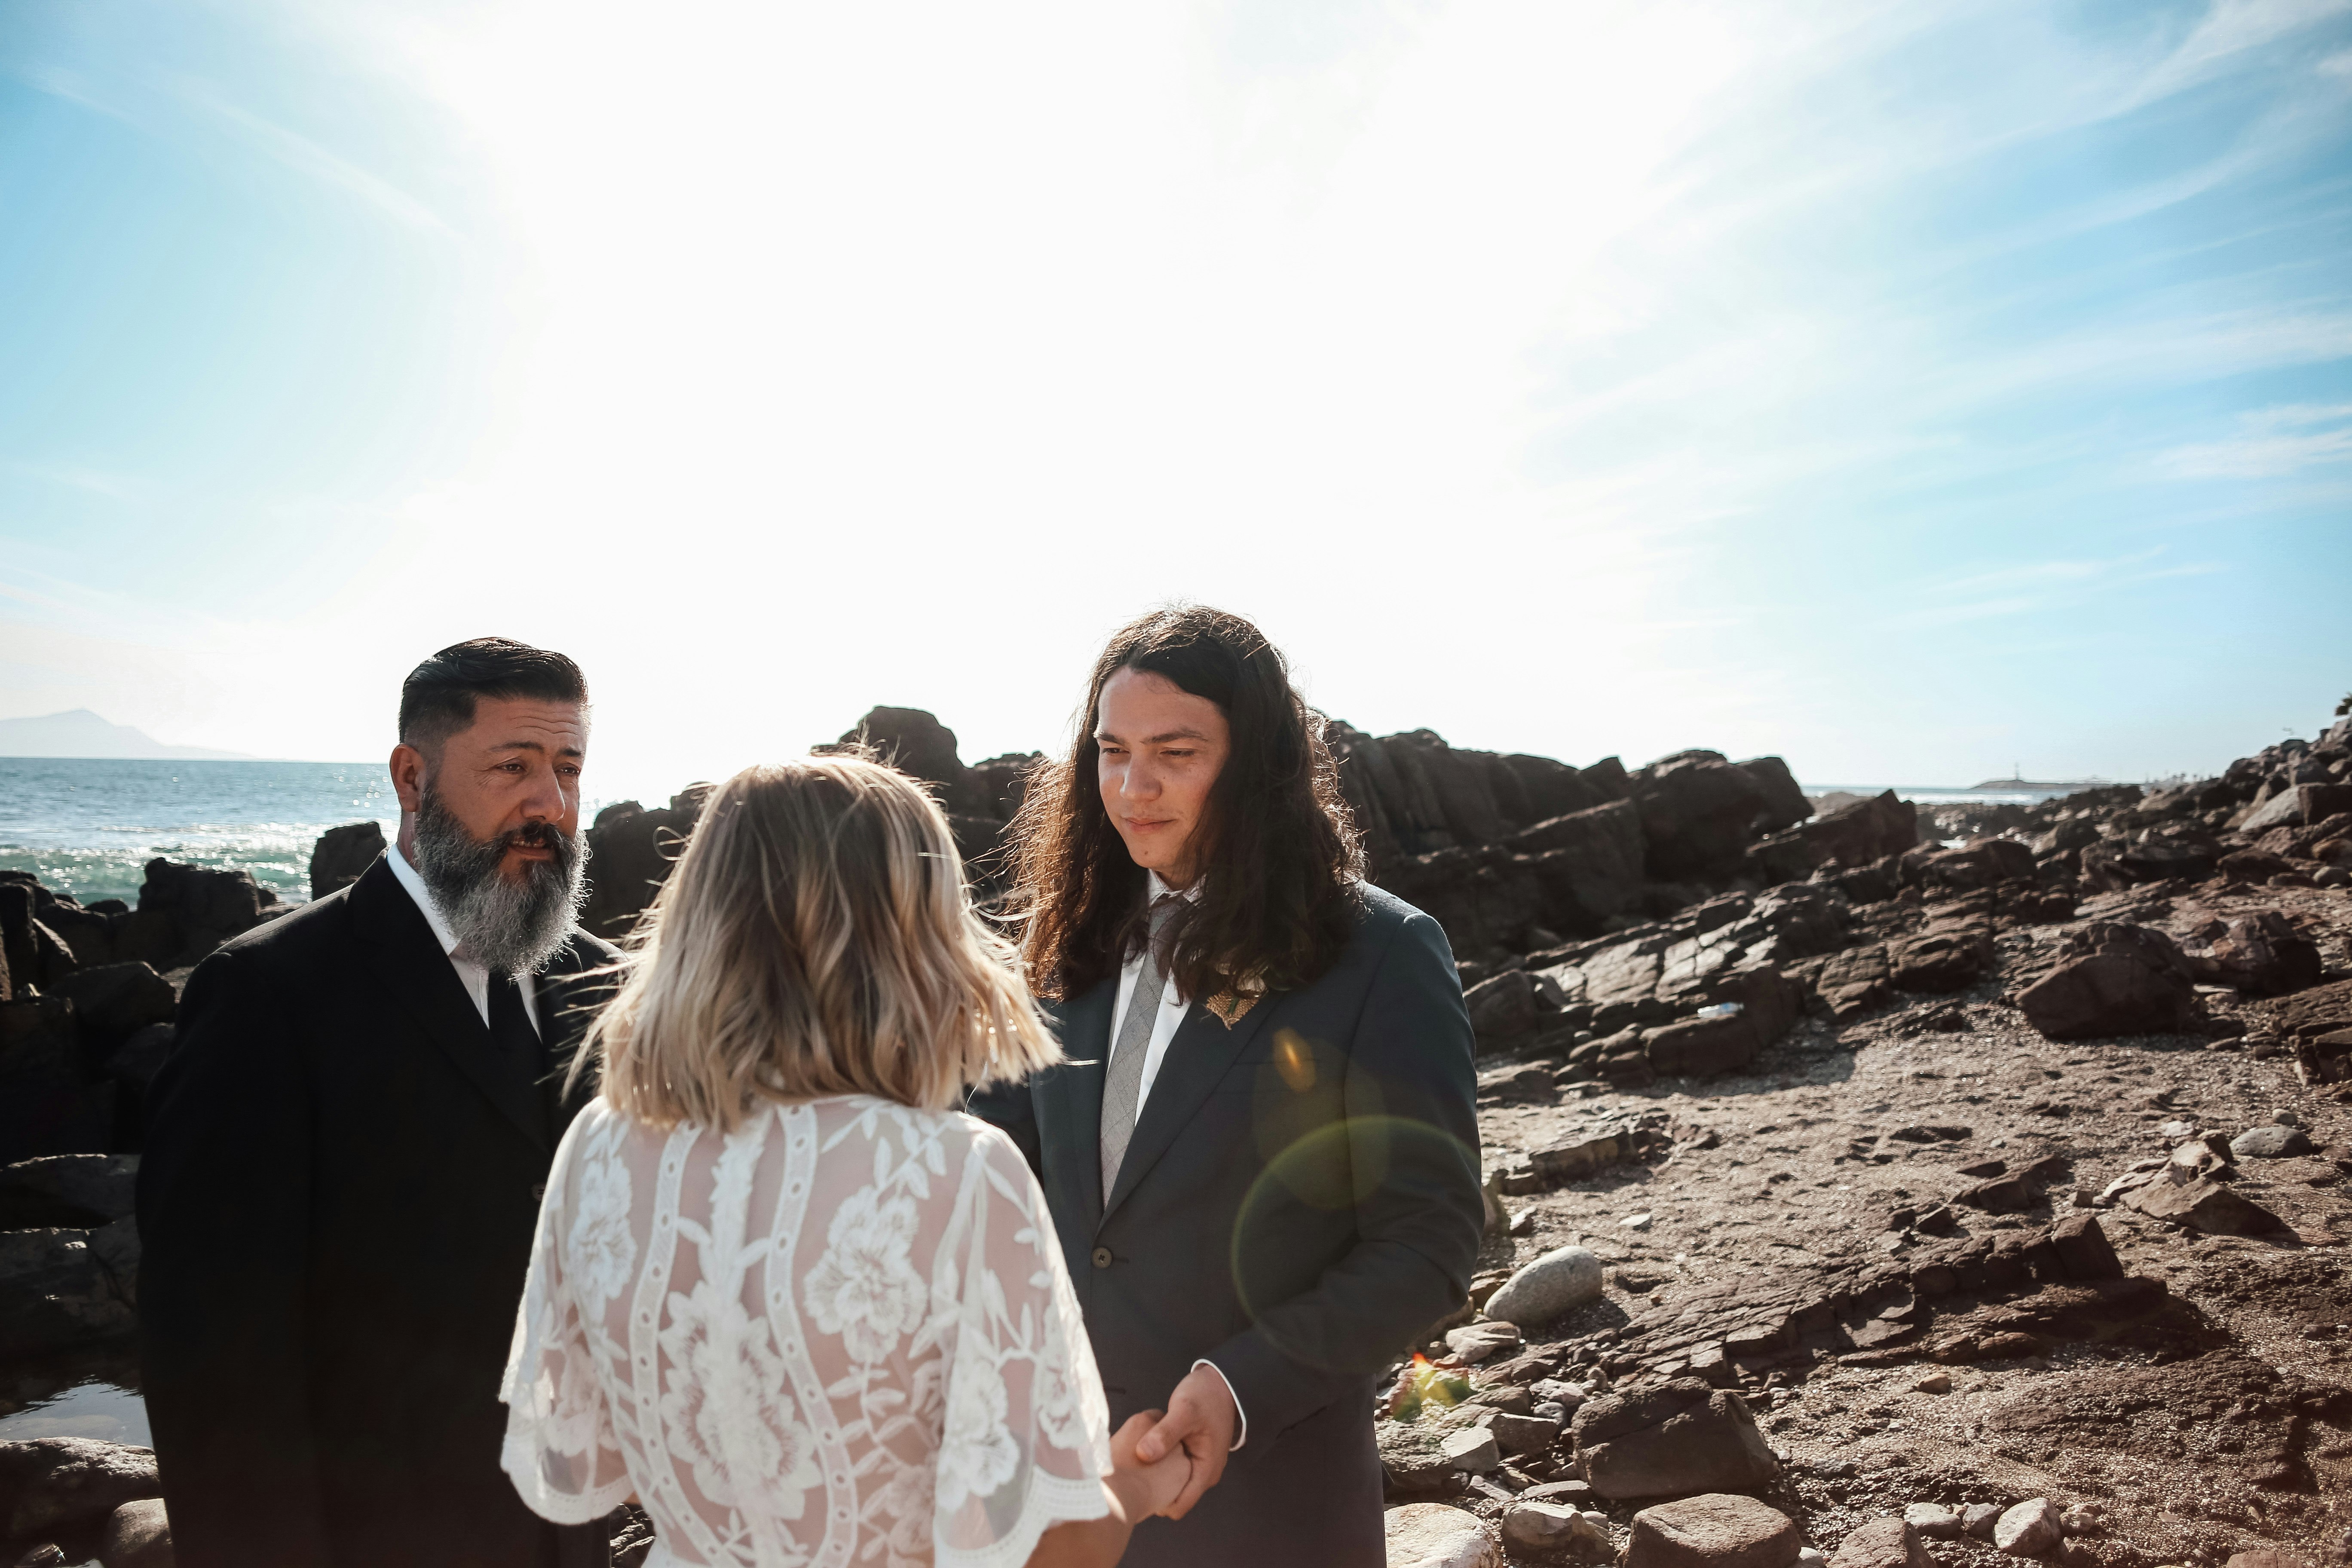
<point x="1698" y="812"/>
<point x="1853" y="981"/>
<point x="49" y="1105"/>
<point x="1785" y="804"/>
<point x="1675" y="1438"/>
<point x="918" y="745"/>
<point x="1589" y="863"/>
<point x="2299" y="806"/>
<point x="1502" y="1010"/>
<point x="2114" y="980"/>
<point x="2261" y="955"/>
<point x="1713" y="1530"/>
<point x="342" y="855"/>
<point x="1488" y="899"/>
<point x="56" y="1292"/>
<point x="60" y="1483"/>
<point x="1550" y="788"/>
<point x="185" y="911"/>
<point x="1461" y="785"/>
<point x="1853" y="834"/>
<point x="113" y="1002"/>
<point x="72" y="1192"/>
<point x="1980" y="863"/>
<point x="630" y="852"/>
<point x="1948" y="955"/>
<point x="2187" y="854"/>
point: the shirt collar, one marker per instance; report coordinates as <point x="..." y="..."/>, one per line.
<point x="1155" y="890"/>
<point x="405" y="875"/>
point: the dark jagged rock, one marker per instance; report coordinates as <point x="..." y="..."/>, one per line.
<point x="70" y="1192"/>
<point x="630" y="853"/>
<point x="1855" y="834"/>
<point x="185" y="911"/>
<point x="1784" y="804"/>
<point x="2259" y="954"/>
<point x="1678" y="1437"/>
<point x="342" y="856"/>
<point x="47" y="1104"/>
<point x="1587" y="863"/>
<point x="113" y="1002"/>
<point x="56" y="1292"/>
<point x="2115" y="980"/>
<point x="1979" y="864"/>
<point x="1698" y="811"/>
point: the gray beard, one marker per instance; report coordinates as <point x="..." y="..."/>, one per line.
<point x="512" y="926"/>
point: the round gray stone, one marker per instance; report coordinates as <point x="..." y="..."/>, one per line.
<point x="2270" y="1142"/>
<point x="1559" y="1281"/>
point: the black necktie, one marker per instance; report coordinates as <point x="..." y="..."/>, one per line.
<point x="516" y="1044"/>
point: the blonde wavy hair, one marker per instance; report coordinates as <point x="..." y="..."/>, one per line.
<point x="815" y="939"/>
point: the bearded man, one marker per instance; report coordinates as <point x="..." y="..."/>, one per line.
<point x="344" y="1167"/>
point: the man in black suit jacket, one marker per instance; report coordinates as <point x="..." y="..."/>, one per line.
<point x="1262" y="1156"/>
<point x="344" y="1167"/>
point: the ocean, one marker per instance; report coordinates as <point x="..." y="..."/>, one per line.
<point x="89" y="827"/>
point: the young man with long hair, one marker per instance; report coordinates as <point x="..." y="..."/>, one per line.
<point x="1262" y="1154"/>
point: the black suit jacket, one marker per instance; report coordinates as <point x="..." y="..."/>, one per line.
<point x="336" y="1210"/>
<point x="1299" y="1201"/>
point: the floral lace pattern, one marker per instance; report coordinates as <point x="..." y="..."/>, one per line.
<point x="842" y="1335"/>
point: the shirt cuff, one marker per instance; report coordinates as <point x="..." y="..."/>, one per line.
<point x="1241" y="1416"/>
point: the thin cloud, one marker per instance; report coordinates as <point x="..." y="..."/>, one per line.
<point x="114" y="487"/>
<point x="305" y="156"/>
<point x="71" y="86"/>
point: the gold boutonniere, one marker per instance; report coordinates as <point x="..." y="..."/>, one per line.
<point x="1235" y="1001"/>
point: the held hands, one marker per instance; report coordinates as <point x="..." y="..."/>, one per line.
<point x="1199" y="1425"/>
<point x="1145" y="1489"/>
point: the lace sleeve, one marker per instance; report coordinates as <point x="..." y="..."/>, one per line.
<point x="559" y="1449"/>
<point x="1027" y="1432"/>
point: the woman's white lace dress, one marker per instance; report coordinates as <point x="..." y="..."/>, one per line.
<point x="842" y="1335"/>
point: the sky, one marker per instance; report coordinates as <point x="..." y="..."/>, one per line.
<point x="1912" y="390"/>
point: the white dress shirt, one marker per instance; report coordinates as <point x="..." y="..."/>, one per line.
<point x="1170" y="1018"/>
<point x="471" y="971"/>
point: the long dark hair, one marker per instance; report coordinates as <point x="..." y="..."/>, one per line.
<point x="1280" y="864"/>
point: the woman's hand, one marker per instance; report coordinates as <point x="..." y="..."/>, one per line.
<point x="1145" y="1490"/>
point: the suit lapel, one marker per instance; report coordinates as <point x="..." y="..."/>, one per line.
<point x="407" y="958"/>
<point x="1069" y="1104"/>
<point x="1197" y="1057"/>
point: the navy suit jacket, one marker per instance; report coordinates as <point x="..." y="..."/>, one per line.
<point x="336" y="1209"/>
<point x="1298" y="1204"/>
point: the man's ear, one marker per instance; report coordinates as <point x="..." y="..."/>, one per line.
<point x="410" y="771"/>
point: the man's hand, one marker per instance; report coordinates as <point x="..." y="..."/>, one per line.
<point x="1201" y="1420"/>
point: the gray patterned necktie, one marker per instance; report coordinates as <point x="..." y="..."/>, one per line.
<point x="1123" y="1081"/>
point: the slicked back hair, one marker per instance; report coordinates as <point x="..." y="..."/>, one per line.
<point x="437" y="698"/>
<point x="1280" y="863"/>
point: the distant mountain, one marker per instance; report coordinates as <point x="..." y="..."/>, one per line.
<point x="2067" y="784"/>
<point x="82" y="734"/>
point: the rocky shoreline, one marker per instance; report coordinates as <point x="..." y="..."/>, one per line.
<point x="1903" y="1183"/>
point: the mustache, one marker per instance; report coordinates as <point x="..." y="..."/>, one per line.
<point x="531" y="836"/>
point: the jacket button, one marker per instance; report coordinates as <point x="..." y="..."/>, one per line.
<point x="538" y="1192"/>
<point x="1102" y="1256"/>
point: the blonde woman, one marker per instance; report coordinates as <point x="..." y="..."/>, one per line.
<point x="783" y="1295"/>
